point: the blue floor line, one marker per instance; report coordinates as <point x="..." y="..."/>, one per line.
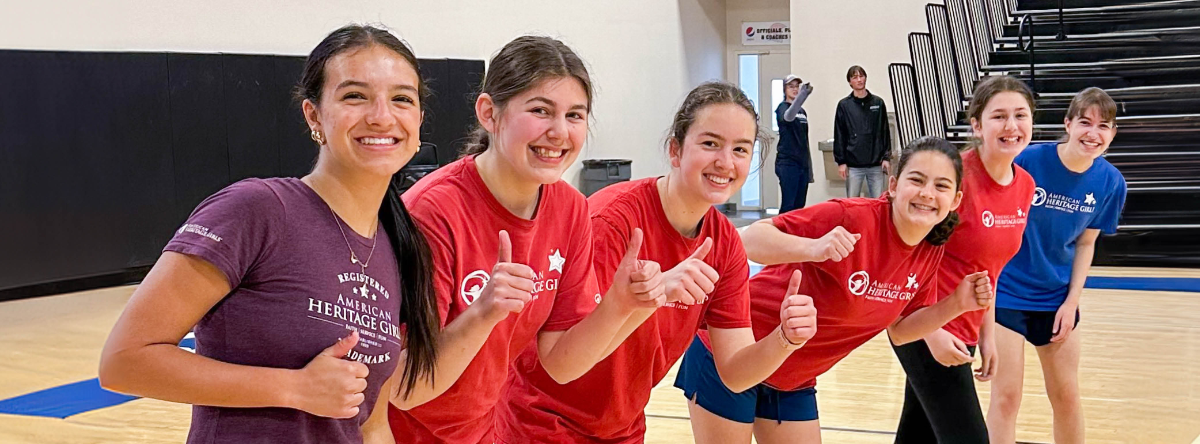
<point x="71" y="399"/>
<point x="64" y="400"/>
<point x="84" y="396"/>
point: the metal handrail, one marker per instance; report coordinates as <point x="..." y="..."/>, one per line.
<point x="1062" y="32"/>
<point x="1021" y="30"/>
<point x="938" y="20"/>
<point x="903" y="78"/>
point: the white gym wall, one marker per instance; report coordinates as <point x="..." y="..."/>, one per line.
<point x="828" y="37"/>
<point x="644" y="56"/>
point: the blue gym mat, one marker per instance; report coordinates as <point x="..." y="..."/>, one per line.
<point x="64" y="400"/>
<point x="71" y="399"/>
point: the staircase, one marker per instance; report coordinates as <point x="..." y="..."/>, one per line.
<point x="1145" y="54"/>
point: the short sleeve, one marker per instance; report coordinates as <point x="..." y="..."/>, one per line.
<point x="1109" y="215"/>
<point x="232" y="229"/>
<point x="730" y="303"/>
<point x="812" y="221"/>
<point x="578" y="291"/>
<point x="608" y="241"/>
<point x="436" y="232"/>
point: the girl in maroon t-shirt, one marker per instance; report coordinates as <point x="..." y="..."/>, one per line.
<point x="857" y="292"/>
<point x="502" y="224"/>
<point x="306" y="295"/>
<point x="710" y="150"/>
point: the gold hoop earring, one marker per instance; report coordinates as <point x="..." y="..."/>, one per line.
<point x="317" y="137"/>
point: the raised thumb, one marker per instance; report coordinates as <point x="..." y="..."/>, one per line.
<point x="343" y="346"/>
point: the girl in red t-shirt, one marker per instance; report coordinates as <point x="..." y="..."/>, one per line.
<point x="857" y="292"/>
<point x="710" y="150"/>
<point x="505" y="230"/>
<point x="940" y="403"/>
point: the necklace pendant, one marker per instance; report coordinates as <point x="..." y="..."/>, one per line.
<point x="353" y="260"/>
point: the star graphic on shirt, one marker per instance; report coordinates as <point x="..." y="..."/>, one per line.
<point x="1020" y="213"/>
<point x="1089" y="199"/>
<point x="556" y="261"/>
<point x="364" y="292"/>
<point x="912" y="281"/>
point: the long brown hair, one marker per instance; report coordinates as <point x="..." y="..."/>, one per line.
<point x="418" y="311"/>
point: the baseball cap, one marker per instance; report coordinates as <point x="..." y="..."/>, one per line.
<point x="789" y="78"/>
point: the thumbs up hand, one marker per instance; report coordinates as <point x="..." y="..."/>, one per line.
<point x="690" y="281"/>
<point x="797" y="315"/>
<point x="638" y="283"/>
<point x="332" y="386"/>
<point x="509" y="287"/>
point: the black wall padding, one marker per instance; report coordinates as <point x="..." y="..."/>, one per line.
<point x="450" y="111"/>
<point x="464" y="76"/>
<point x="252" y="115"/>
<point x="197" y="93"/>
<point x="435" y="73"/>
<point x="297" y="152"/>
<point x="103" y="155"/>
<point x="85" y="178"/>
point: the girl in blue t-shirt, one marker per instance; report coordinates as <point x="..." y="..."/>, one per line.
<point x="1078" y="195"/>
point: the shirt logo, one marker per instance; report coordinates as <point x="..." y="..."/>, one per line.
<point x="199" y="230"/>
<point x="1064" y="203"/>
<point x="1002" y="220"/>
<point x="472" y="286"/>
<point x="912" y="281"/>
<point x="1039" y="196"/>
<point x="556" y="261"/>
<point x="361" y="312"/>
<point x="858" y="283"/>
<point x="364" y="292"/>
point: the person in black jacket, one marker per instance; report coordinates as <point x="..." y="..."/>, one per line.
<point x="862" y="142"/>
<point x="793" y="164"/>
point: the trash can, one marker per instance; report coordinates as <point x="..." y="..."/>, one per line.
<point x="599" y="173"/>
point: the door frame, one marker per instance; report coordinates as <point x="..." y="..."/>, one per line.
<point x="769" y="193"/>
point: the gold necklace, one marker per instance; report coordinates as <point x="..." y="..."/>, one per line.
<point x="354" y="257"/>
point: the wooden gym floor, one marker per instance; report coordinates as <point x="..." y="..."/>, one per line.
<point x="1141" y="351"/>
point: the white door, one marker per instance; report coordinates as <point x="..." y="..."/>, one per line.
<point x="761" y="75"/>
